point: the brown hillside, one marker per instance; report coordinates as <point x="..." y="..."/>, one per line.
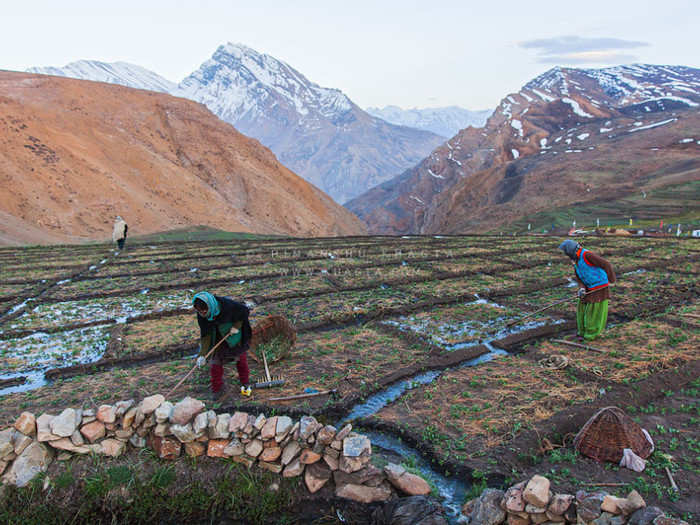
<point x="74" y="154"/>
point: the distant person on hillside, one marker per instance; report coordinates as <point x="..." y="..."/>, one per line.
<point x="119" y="232"/>
<point x="217" y="318"/>
<point x="596" y="275"/>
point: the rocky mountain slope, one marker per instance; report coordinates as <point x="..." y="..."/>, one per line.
<point x="317" y="132"/>
<point x="121" y="73"/>
<point x="572" y="140"/>
<point x="447" y="121"/>
<point x="74" y="154"/>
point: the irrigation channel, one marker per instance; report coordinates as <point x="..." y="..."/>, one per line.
<point x="452" y="490"/>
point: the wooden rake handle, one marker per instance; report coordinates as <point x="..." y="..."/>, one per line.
<point x="233" y="330"/>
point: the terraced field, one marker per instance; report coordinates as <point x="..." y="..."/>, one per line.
<point x="419" y="337"/>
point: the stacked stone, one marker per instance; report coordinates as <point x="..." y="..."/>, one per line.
<point x="532" y="502"/>
<point x="278" y="444"/>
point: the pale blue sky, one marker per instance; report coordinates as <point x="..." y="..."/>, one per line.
<point x="408" y="53"/>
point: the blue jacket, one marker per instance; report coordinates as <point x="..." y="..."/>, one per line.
<point x="592" y="276"/>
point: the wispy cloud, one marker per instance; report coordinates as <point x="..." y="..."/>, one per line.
<point x="572" y="49"/>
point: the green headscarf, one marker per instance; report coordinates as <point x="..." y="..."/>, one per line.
<point x="212" y="304"/>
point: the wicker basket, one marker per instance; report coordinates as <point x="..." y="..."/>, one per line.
<point x="270" y="327"/>
<point x="608" y="433"/>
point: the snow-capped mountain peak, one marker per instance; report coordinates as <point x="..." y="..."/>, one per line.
<point x="121" y="73"/>
<point x="445" y="121"/>
<point x="238" y="80"/>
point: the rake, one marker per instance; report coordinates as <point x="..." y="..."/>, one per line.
<point x="267" y="381"/>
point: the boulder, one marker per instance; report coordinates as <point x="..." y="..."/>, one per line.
<point x="107" y="413"/>
<point x="195" y="449"/>
<point x="363" y="493"/>
<point x="219" y="430"/>
<point x="633" y="502"/>
<point x="272" y="467"/>
<point x="316" y="476"/>
<point x="150" y="403"/>
<point x="21" y="442"/>
<point x="513" y="499"/>
<point x="290" y="452"/>
<point x="415" y="510"/>
<point x="269" y="429"/>
<point x="94" y="431"/>
<point x="589" y="507"/>
<point x="309" y="457"/>
<point x="113" y="447"/>
<point x="294" y="469"/>
<point x="645" y="516"/>
<point x="163" y="412"/>
<point x="307" y="427"/>
<point x="122" y="407"/>
<point x="349" y="465"/>
<point x="343" y="433"/>
<point x="200" y="423"/>
<point x="217" y="448"/>
<point x="559" y="504"/>
<point x="254" y="448"/>
<point x="284" y="427"/>
<point x="406" y="482"/>
<point x="32" y="461"/>
<point x="487" y="509"/>
<point x="43" y="428"/>
<point x="185" y="410"/>
<point x="536" y="491"/>
<point x="129" y="418"/>
<point x="243" y="460"/>
<point x="326" y="435"/>
<point x="165" y="448"/>
<point x="77" y="438"/>
<point x="270" y="454"/>
<point x="64" y="424"/>
<point x="234" y="448"/>
<point x="7" y="446"/>
<point x="612" y="504"/>
<point x="514" y="519"/>
<point x="26" y="424"/>
<point x="259" y="422"/>
<point x="332" y="461"/>
<point x="369" y="475"/>
<point x="162" y="429"/>
<point x="356" y="446"/>
<point x="67" y="445"/>
<point x="185" y="433"/>
<point x="238" y="422"/>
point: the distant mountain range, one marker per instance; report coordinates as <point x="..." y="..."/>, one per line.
<point x="317" y="132"/>
<point x="572" y="143"/>
<point x="77" y="153"/>
<point x="121" y="73"/>
<point x="445" y="121"/>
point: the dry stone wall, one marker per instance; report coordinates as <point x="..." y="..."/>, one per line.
<point x="320" y="453"/>
<point x="532" y="502"/>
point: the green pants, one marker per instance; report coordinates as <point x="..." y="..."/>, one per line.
<point x="591" y="319"/>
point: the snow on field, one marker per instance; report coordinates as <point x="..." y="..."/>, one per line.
<point x="526" y="96"/>
<point x="435" y="174"/>
<point x="543" y="143"/>
<point x="515" y="153"/>
<point x="654" y="125"/>
<point x="512" y="100"/>
<point x="573" y="151"/>
<point x="685" y="141"/>
<point x="605" y="130"/>
<point x="576" y="107"/>
<point x="417" y="199"/>
<point x="583" y="136"/>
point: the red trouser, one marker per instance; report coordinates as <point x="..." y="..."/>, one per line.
<point x="217" y="369"/>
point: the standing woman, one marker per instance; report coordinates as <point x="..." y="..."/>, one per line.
<point x="217" y="316"/>
<point x="596" y="275"/>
